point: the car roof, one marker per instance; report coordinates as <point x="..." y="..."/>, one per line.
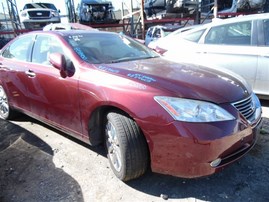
<point x="67" y="26"/>
<point x="218" y="21"/>
<point x="242" y="18"/>
<point x="70" y="32"/>
<point x="167" y="27"/>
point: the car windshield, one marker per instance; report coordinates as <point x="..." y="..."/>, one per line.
<point x="40" y="5"/>
<point x="99" y="48"/>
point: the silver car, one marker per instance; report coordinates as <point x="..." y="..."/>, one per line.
<point x="37" y="15"/>
<point x="240" y="44"/>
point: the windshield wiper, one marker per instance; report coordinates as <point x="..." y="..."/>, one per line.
<point x="132" y="58"/>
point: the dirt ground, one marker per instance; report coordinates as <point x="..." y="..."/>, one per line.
<point x="38" y="163"/>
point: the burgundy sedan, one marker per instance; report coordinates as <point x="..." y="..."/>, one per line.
<point x="181" y="119"/>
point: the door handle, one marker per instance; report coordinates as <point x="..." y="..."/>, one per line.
<point x="30" y="73"/>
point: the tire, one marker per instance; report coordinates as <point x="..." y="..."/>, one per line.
<point x="5" y="111"/>
<point x="127" y="150"/>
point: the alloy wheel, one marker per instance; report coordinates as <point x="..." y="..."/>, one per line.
<point x="112" y="144"/>
<point x="4" y="108"/>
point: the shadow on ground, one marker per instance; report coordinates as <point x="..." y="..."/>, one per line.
<point x="27" y="172"/>
<point x="245" y="180"/>
<point x="24" y="158"/>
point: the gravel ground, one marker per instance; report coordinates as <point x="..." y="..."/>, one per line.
<point x="38" y="163"/>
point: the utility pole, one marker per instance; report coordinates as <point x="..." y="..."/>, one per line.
<point x="142" y="19"/>
<point x="132" y="19"/>
<point x="215" y="9"/>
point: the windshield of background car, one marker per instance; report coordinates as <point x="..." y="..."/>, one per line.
<point x="193" y="36"/>
<point x="40" y="5"/>
<point x="167" y="31"/>
<point x="99" y="48"/>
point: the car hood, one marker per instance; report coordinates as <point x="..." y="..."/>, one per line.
<point x="39" y="9"/>
<point x="183" y="80"/>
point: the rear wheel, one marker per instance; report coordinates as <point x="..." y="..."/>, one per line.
<point x="126" y="147"/>
<point x="5" y="111"/>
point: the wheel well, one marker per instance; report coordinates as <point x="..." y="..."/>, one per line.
<point x="96" y="123"/>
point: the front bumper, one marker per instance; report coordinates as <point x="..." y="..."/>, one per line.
<point x="46" y="20"/>
<point x="191" y="150"/>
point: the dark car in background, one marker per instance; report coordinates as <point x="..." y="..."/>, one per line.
<point x="106" y="88"/>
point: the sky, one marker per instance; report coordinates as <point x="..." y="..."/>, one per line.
<point x="60" y="4"/>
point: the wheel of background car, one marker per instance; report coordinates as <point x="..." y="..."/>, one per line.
<point x="126" y="147"/>
<point x="5" y="111"/>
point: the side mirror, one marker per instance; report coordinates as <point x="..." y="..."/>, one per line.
<point x="59" y="62"/>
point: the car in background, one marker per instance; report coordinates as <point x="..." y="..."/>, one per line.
<point x="162" y="45"/>
<point x="67" y="26"/>
<point x="37" y="15"/>
<point x="106" y="88"/>
<point x="96" y="12"/>
<point x="159" y="31"/>
<point x="240" y="44"/>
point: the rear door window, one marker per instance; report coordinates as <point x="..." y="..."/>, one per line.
<point x="231" y="34"/>
<point x="20" y="49"/>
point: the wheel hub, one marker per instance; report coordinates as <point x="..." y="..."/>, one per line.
<point x="3" y="103"/>
<point x="113" y="147"/>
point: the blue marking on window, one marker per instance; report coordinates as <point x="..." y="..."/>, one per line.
<point x="80" y="53"/>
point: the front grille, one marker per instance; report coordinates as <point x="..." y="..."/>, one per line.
<point x="39" y="14"/>
<point x="246" y="107"/>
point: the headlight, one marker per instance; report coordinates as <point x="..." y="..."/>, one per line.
<point x="54" y="13"/>
<point x="193" y="110"/>
<point x="24" y="14"/>
<point x="256" y="102"/>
